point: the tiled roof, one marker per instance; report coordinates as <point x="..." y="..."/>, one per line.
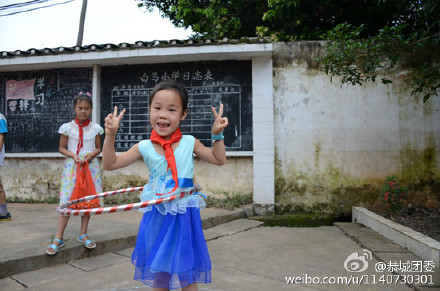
<point x="124" y="46"/>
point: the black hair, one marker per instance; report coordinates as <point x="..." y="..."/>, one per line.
<point x="173" y="85"/>
<point x="83" y="97"/>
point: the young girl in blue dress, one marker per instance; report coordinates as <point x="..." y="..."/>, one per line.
<point x="171" y="251"/>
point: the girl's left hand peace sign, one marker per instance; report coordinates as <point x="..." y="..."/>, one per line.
<point x="220" y="122"/>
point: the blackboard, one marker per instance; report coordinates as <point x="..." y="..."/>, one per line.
<point x="207" y="83"/>
<point x="36" y="103"/>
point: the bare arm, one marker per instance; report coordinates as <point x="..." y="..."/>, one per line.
<point x="217" y="154"/>
<point x="111" y="161"/>
<point x="64" y="151"/>
<point x="2" y="140"/>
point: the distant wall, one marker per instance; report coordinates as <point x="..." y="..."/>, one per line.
<point x="40" y="178"/>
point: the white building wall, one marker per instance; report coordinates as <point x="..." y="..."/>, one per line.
<point x="263" y="131"/>
<point x="330" y="137"/>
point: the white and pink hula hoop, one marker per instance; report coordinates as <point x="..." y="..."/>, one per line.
<point x="64" y="211"/>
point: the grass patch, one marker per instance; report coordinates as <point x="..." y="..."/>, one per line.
<point x="230" y="202"/>
<point x="49" y="200"/>
<point x="114" y="201"/>
<point x="108" y="201"/>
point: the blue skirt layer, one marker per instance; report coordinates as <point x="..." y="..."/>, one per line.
<point x="171" y="251"/>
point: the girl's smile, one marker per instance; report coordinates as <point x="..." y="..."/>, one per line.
<point x="166" y="112"/>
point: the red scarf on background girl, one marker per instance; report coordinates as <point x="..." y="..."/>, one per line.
<point x="81" y="134"/>
<point x="84" y="185"/>
<point x="169" y="153"/>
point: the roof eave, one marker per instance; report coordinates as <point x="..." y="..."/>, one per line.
<point x="137" y="55"/>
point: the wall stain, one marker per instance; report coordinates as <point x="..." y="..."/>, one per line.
<point x="332" y="192"/>
<point x="318" y="149"/>
<point x="419" y="164"/>
<point x="328" y="191"/>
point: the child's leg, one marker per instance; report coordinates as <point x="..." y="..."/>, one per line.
<point x="192" y="287"/>
<point x="84" y="225"/>
<point x="2" y="193"/>
<point x="62" y="223"/>
<point x="3" y="204"/>
<point x="161" y="279"/>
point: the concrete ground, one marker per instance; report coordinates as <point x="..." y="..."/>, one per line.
<point x="25" y="238"/>
<point x="244" y="254"/>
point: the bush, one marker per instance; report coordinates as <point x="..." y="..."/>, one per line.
<point x="393" y="194"/>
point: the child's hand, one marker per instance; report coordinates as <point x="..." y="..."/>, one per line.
<point x="220" y="123"/>
<point x="88" y="158"/>
<point x="77" y="160"/>
<point x="112" y="122"/>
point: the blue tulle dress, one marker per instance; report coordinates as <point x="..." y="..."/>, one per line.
<point x="171" y="250"/>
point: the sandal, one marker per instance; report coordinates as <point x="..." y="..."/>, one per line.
<point x="55" y="247"/>
<point x="88" y="242"/>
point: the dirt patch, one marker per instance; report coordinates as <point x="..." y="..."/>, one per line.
<point x="421" y="219"/>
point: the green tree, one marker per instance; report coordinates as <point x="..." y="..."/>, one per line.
<point x="212" y="19"/>
<point x="366" y="38"/>
<point x="411" y="40"/>
<point x="309" y="19"/>
<point x="280" y="19"/>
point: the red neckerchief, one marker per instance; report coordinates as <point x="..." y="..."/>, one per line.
<point x="81" y="138"/>
<point x="169" y="153"/>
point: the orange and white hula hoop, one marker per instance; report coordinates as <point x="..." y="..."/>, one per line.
<point x="64" y="211"/>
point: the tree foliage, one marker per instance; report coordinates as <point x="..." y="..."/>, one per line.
<point x="280" y="19"/>
<point x="309" y="19"/>
<point x="412" y="39"/>
<point x="366" y="38"/>
<point x="212" y="19"/>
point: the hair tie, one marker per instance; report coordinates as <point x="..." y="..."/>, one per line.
<point x="87" y="93"/>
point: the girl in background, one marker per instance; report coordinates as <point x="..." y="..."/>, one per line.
<point x="80" y="142"/>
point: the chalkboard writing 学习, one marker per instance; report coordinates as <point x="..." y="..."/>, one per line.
<point x="36" y="103"/>
<point x="208" y="84"/>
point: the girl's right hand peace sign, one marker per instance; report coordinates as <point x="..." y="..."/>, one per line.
<point x="112" y="122"/>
